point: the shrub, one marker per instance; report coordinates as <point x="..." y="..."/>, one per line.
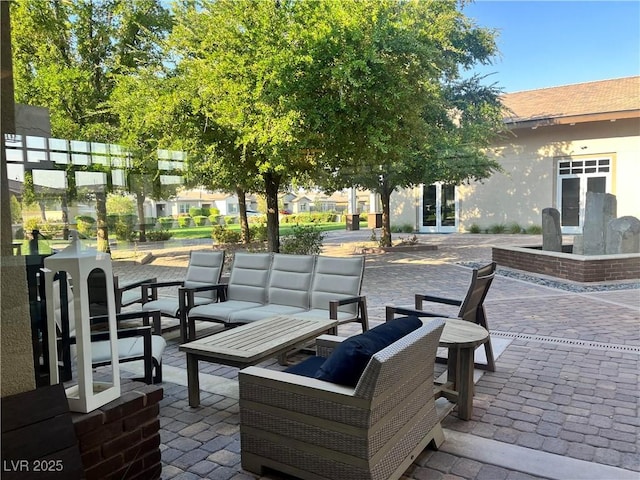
<point x="405" y="228"/>
<point x="305" y="240"/>
<point x="474" y="228"/>
<point x="158" y="235"/>
<point x="497" y="228"/>
<point x="195" y="211"/>
<point x="514" y="228"/>
<point x="166" y="222"/>
<point x="150" y="222"/>
<point x="214" y="219"/>
<point x="206" y="211"/>
<point x="230" y="219"/>
<point x="222" y="234"/>
<point x="258" y="232"/>
<point x="123" y="225"/>
<point x="31" y="223"/>
<point x="200" y="220"/>
<point x="184" y="222"/>
<point x="85" y="225"/>
<point x="51" y="230"/>
<point x="16" y="210"/>
<point x="257" y="218"/>
<point x="534" y="230"/>
<point x="315" y="217"/>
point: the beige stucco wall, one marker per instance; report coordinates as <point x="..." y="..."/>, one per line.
<point x="528" y="182"/>
<point x="404" y="207"/>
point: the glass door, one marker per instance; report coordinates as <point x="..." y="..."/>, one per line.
<point x="439" y="208"/>
<point x="575" y="179"/>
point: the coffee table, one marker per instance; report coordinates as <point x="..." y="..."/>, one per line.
<point x="461" y="338"/>
<point x="249" y="344"/>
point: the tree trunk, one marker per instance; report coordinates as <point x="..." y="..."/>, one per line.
<point x="272" y="185"/>
<point x="141" y="222"/>
<point x="64" y="206"/>
<point x="43" y="210"/>
<point x="244" y="222"/>
<point x="103" y="230"/>
<point x="385" y="198"/>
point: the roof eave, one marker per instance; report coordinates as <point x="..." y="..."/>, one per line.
<point x="571" y="119"/>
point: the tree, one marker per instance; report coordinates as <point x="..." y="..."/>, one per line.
<point x="239" y="54"/>
<point x="385" y="99"/>
<point x="68" y="54"/>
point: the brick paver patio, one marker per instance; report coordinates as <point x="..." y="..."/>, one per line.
<point x="563" y="402"/>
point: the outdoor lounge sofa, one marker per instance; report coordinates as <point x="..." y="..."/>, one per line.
<point x="263" y="285"/>
<point x="316" y="429"/>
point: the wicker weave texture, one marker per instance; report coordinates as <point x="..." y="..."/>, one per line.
<point x="330" y="436"/>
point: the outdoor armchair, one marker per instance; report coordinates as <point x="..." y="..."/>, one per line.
<point x="136" y="343"/>
<point x="204" y="270"/>
<point x="471" y="307"/>
<point x="316" y="429"/>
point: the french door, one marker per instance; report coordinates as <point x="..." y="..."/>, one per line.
<point x="575" y="179"/>
<point x="439" y="208"/>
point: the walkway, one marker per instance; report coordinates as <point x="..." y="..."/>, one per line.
<point x="563" y="403"/>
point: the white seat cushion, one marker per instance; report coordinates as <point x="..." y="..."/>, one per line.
<point x="220" y="311"/>
<point x="131" y="348"/>
<point x="259" y="313"/>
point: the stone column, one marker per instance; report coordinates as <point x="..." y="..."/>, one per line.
<point x="600" y="209"/>
<point x="551" y="230"/>
<point x="623" y="236"/>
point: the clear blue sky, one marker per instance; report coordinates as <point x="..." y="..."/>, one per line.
<point x="551" y="43"/>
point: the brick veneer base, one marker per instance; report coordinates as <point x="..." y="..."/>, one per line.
<point x="121" y="440"/>
<point x="579" y="268"/>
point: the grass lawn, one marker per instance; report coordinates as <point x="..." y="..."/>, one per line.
<point x="47" y="246"/>
<point x="285" y="229"/>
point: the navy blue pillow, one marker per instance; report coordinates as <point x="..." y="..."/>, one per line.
<point x="347" y="362"/>
<point x="308" y="367"/>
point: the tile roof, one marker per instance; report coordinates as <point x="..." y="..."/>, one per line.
<point x="606" y="96"/>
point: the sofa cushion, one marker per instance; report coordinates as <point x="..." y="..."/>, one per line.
<point x="347" y="362"/>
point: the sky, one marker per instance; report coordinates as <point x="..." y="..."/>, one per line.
<point x="552" y="43"/>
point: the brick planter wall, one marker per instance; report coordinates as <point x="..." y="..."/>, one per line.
<point x="579" y="268"/>
<point x="121" y="440"/>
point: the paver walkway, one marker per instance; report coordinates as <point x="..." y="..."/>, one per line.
<point x="563" y="403"/>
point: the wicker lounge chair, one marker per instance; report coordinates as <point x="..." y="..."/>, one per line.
<point x="314" y="429"/>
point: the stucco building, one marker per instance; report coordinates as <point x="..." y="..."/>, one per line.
<point x="562" y="142"/>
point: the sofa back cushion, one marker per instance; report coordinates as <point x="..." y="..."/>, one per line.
<point x="407" y="362"/>
<point x="249" y="277"/>
<point x="347" y="362"/>
<point x="205" y="268"/>
<point x="336" y="278"/>
<point x="290" y="280"/>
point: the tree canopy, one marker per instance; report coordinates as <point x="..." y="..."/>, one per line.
<point x="69" y="56"/>
<point x="364" y="93"/>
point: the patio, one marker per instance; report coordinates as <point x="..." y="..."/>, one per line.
<point x="563" y="402"/>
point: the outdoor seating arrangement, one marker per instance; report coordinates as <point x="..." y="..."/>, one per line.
<point x="362" y="426"/>
<point x="135" y="343"/>
<point x="203" y="271"/>
<point x="263" y="285"/>
<point x="471" y="308"/>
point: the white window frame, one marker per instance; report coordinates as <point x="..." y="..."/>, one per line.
<point x="583" y="169"/>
